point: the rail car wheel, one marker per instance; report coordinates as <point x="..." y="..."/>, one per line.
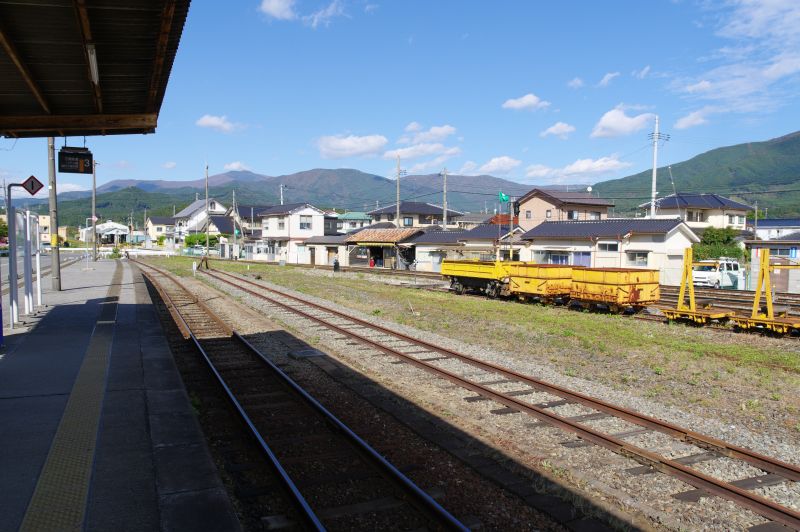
<point x="492" y="290"/>
<point x="458" y="288"/>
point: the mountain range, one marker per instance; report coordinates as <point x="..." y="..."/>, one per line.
<point x="767" y="172"/>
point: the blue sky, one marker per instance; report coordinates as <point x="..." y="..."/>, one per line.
<point x="557" y="92"/>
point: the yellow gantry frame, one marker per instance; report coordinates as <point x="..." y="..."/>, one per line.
<point x="765" y="284"/>
<point x="686" y="278"/>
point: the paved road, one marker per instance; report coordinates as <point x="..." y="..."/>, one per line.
<point x="46" y="262"/>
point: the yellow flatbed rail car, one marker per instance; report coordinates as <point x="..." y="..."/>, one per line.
<point x="545" y="282"/>
<point x="689" y="311"/>
<point x="618" y="288"/>
<point x="490" y="277"/>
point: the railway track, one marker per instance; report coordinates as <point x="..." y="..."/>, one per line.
<point x="539" y="399"/>
<point x="333" y="477"/>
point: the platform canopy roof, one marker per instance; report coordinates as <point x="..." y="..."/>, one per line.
<point x="85" y="67"/>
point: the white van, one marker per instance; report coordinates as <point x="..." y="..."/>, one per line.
<point x="723" y="272"/>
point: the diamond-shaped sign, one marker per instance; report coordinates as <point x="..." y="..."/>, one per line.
<point x="32" y="185"/>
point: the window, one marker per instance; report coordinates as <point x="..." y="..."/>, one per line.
<point x="340" y="225"/>
<point x="741" y="219"/>
<point x="548" y="214"/>
<point x="608" y="246"/>
<point x="528" y="215"/>
<point x="594" y="215"/>
<point x="731" y="219"/>
<point x="159" y="229"/>
<point x="559" y="258"/>
<point x="305" y="222"/>
<point x="408" y="221"/>
<point x="572" y="215"/>
<point x="637" y="258"/>
<point x="390" y="217"/>
<point x="281" y="224"/>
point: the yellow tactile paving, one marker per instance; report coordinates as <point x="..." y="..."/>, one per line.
<point x="59" y="500"/>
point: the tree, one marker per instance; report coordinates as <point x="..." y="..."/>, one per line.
<point x="200" y="239"/>
<point x="3" y="229"/>
<point x="717" y="243"/>
<point x="160" y="240"/>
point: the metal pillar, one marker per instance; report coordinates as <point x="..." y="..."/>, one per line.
<point x="27" y="265"/>
<point x="94" y="210"/>
<point x="12" y="261"/>
<point x="55" y="267"/>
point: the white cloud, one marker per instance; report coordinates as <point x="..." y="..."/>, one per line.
<point x="236" y="166"/>
<point x="575" y="83"/>
<point x="413" y="126"/>
<point x="559" y="129"/>
<point x="169" y="165"/>
<point x="641" y="74"/>
<point x="340" y="146"/>
<point x="499" y="165"/>
<point x="616" y="123"/>
<point x="422" y="150"/>
<point x="695" y="118"/>
<point x="369" y="8"/>
<point x="579" y="171"/>
<point x="220" y="123"/>
<point x="529" y="101"/>
<point x="435" y="163"/>
<point x="607" y="79"/>
<point x="279" y="9"/>
<point x="434" y="134"/>
<point x="468" y="168"/>
<point x="751" y="75"/>
<point x="325" y="15"/>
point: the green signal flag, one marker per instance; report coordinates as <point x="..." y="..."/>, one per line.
<point x="503" y="197"/>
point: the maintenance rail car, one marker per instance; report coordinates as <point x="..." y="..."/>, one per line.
<point x="616" y="289"/>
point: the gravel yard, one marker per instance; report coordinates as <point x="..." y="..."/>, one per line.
<point x="649" y="367"/>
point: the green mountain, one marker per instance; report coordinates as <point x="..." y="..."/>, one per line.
<point x="767" y="172"/>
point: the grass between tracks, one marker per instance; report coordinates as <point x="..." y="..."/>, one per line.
<point x="750" y="375"/>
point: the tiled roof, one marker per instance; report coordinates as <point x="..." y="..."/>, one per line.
<point x="388" y="236"/>
<point x="778" y="222"/>
<point x="327" y="239"/>
<point x="162" y="220"/>
<point x="602" y="228"/>
<point x="438" y="237"/>
<point x="283" y="209"/>
<point x="487" y="232"/>
<point x="475" y="218"/>
<point x="353" y="215"/>
<point x="246" y="211"/>
<point x="224" y="224"/>
<point x="192" y="208"/>
<point x="379" y="225"/>
<point x="415" y="207"/>
<point x="562" y="196"/>
<point x="698" y="201"/>
<point x="791" y="236"/>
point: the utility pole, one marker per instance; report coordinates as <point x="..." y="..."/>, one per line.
<point x="656" y="136"/>
<point x="755" y="228"/>
<point x="444" y="200"/>
<point x="281" y="187"/>
<point x="94" y="211"/>
<point x="55" y="267"/>
<point x="208" y="214"/>
<point x="233" y="214"/>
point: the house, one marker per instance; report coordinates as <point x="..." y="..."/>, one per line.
<point x="192" y="219"/>
<point x="381" y="247"/>
<point x="415" y="214"/>
<point x="613" y="243"/>
<point x="492" y="242"/>
<point x="432" y="247"/>
<point x="324" y="249"/>
<point x="470" y="220"/>
<point x="546" y="205"/>
<point x="771" y="228"/>
<point x="157" y="226"/>
<point x="248" y="215"/>
<point x="349" y="221"/>
<point x="701" y="211"/>
<point x="284" y="229"/>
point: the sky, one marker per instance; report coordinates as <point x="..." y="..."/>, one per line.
<point x="536" y="92"/>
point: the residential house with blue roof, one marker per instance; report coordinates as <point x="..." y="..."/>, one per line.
<point x="701" y="211"/>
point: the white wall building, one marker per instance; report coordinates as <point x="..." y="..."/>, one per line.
<point x="614" y="243"/>
<point x="284" y="230"/>
<point x="701" y="211"/>
<point x="192" y="219"/>
<point x="768" y="228"/>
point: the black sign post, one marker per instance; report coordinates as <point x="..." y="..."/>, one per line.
<point x="73" y="160"/>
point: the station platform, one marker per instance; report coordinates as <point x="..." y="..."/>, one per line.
<point x="97" y="430"/>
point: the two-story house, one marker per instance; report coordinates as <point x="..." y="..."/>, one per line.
<point x="284" y="229"/>
<point x="701" y="211"/>
<point x="416" y="214"/>
<point x="766" y="228"/>
<point x="546" y="205"/>
<point x="158" y="226"/>
<point x="351" y="221"/>
<point x="192" y="219"/>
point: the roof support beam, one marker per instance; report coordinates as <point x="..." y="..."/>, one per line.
<point x="86" y="33"/>
<point x="12" y="126"/>
<point x="11" y="50"/>
<point x="167" y="16"/>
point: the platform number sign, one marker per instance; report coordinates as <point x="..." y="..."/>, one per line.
<point x="32" y="185"/>
<point x="73" y="160"/>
